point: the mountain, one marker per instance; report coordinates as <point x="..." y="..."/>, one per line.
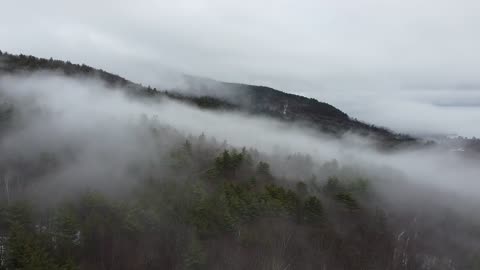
<point x="215" y="95"/>
<point x="87" y="184"/>
<point x="264" y="100"/>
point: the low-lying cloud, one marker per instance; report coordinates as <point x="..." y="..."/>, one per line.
<point x="335" y="51"/>
<point x="420" y="112"/>
<point x="101" y="124"/>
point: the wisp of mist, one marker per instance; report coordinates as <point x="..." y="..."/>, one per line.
<point x="100" y="123"/>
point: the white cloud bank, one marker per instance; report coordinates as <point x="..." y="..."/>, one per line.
<point x="101" y="123"/>
<point x="336" y="51"/>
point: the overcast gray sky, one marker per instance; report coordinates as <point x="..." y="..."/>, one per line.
<point x="409" y="65"/>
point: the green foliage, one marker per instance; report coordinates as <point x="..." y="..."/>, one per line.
<point x="25" y="250"/>
<point x="313" y="210"/>
<point x="66" y="223"/>
<point x="280" y="200"/>
<point x="359" y="186"/>
<point x="195" y="257"/>
<point x="301" y="189"/>
<point x="244" y="204"/>
<point x="228" y="163"/>
<point x="66" y="232"/>
<point x="224" y="163"/>
<point x="333" y="186"/>
<point x="345" y="193"/>
<point x="181" y="158"/>
<point x="347" y="200"/>
<point x="263" y="170"/>
<point x="211" y="215"/>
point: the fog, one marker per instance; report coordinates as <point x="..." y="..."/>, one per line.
<point x="102" y="126"/>
<point x="404" y="54"/>
<point x="71" y="135"/>
<point x="416" y="111"/>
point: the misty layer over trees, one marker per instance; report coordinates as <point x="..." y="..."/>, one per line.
<point x="210" y="94"/>
<point x="97" y="174"/>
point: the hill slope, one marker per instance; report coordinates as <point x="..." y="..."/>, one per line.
<point x="257" y="100"/>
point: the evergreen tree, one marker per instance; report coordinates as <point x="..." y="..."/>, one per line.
<point x="195" y="256"/>
<point x="313" y="210"/>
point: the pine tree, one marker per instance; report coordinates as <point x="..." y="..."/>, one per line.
<point x="313" y="210"/>
<point x="195" y="256"/>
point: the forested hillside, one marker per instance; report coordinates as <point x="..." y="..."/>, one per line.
<point x="210" y="206"/>
<point x="97" y="172"/>
<point x="209" y="94"/>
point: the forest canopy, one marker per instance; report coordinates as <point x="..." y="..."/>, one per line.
<point x="93" y="177"/>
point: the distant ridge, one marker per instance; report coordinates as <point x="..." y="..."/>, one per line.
<point x="256" y="100"/>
